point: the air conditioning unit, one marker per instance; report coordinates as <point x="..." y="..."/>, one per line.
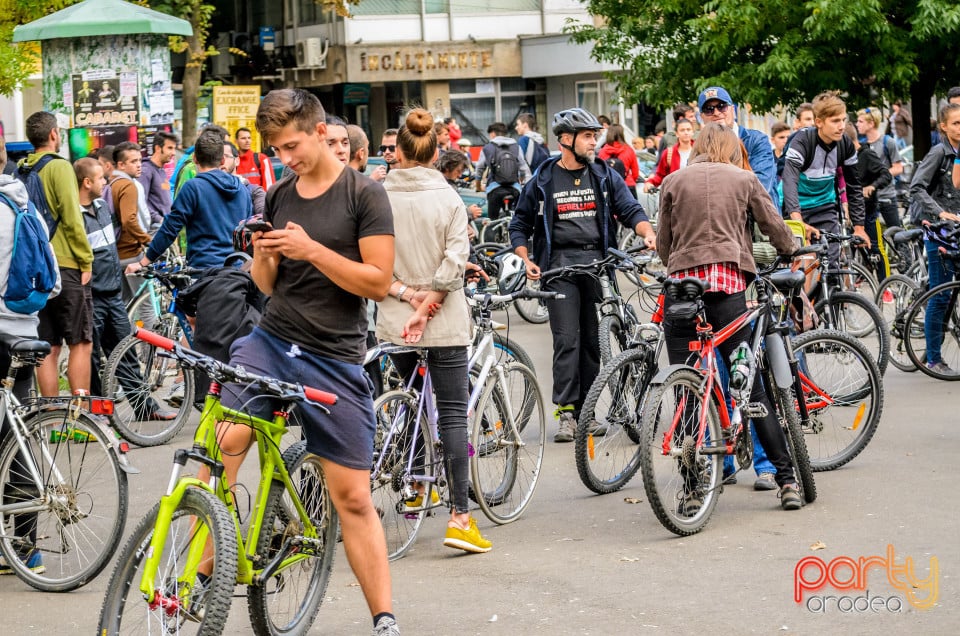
<point x="312" y="53"/>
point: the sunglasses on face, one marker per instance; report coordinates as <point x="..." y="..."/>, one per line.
<point x="710" y="108"/>
<point x="392" y="148"/>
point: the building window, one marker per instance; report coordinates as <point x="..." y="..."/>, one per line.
<point x="477" y="103"/>
<point x="597" y="96"/>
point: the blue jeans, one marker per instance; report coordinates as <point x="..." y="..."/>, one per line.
<point x="941" y="271"/>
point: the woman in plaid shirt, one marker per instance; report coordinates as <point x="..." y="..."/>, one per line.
<point x="703" y="231"/>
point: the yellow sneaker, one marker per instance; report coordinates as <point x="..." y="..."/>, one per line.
<point x="469" y="540"/>
<point x="417" y="502"/>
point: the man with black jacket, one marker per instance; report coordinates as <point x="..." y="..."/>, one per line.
<point x="813" y="158"/>
<point x="569" y="210"/>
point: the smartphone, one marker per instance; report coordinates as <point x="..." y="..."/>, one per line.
<point x="259" y="226"/>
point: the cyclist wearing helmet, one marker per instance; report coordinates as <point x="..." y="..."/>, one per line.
<point x="580" y="198"/>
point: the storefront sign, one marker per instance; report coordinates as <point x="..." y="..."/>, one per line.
<point x="236" y="107"/>
<point x="427" y="62"/>
<point x="356" y="93"/>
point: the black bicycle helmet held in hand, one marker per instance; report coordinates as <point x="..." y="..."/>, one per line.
<point x="573" y="120"/>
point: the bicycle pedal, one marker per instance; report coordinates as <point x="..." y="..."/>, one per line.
<point x="754" y="411"/>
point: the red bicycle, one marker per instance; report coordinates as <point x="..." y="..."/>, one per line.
<point x="686" y="429"/>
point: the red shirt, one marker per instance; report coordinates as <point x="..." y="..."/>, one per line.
<point x="725" y="278"/>
<point x="247" y="168"/>
<point x="627" y="155"/>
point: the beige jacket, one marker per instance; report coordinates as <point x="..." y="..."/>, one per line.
<point x="430" y="226"/>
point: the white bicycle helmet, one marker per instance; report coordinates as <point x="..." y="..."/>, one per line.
<point x="513" y="273"/>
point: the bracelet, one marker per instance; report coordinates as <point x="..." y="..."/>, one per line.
<point x="956" y="159"/>
<point x="400" y="291"/>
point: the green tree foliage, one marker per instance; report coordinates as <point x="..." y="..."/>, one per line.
<point x="19" y="61"/>
<point x="772" y="52"/>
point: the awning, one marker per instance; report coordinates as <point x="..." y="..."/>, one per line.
<point x="101" y="17"/>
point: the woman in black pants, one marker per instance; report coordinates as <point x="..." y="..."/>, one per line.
<point x="430" y="224"/>
<point x="704" y="231"/>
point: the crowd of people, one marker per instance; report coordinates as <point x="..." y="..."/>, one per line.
<point x="330" y="241"/>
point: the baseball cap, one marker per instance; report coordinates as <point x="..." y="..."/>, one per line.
<point x="463" y="141"/>
<point x="714" y="92"/>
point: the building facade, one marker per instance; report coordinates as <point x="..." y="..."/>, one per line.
<point x="479" y="61"/>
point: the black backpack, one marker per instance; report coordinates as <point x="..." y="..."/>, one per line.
<point x="540" y="154"/>
<point x="30" y="176"/>
<point x="505" y="164"/>
<point x="616" y="164"/>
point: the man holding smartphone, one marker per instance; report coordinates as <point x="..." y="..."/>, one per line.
<point x="331" y="249"/>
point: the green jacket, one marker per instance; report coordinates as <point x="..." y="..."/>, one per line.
<point x="70" y="243"/>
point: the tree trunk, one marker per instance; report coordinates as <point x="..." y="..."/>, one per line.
<point x="191" y="88"/>
<point x="920" y="95"/>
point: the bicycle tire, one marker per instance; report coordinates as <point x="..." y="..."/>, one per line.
<point x="869" y="327"/>
<point x="124" y="609"/>
<point x="140" y="310"/>
<point x="842" y="368"/>
<point x="81" y="524"/>
<point x="613" y="338"/>
<point x="950" y="347"/>
<point x="894" y="297"/>
<point x="864" y="281"/>
<point x="532" y="310"/>
<point x="308" y="579"/>
<point x="505" y="464"/>
<point x="389" y="471"/>
<point x="607" y="462"/>
<point x="799" y="457"/>
<point x="496" y="232"/>
<point x="512" y="352"/>
<point x="666" y="492"/>
<point x="123" y="378"/>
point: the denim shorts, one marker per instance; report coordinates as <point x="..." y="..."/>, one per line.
<point x="345" y="436"/>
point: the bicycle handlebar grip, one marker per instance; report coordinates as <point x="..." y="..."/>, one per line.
<point x="316" y="395"/>
<point x="155" y="339"/>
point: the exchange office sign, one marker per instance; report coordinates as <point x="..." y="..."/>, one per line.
<point x="427" y="61"/>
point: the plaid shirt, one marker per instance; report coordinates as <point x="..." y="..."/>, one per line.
<point x="719" y="277"/>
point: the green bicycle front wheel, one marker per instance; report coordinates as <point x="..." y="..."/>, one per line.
<point x="182" y="603"/>
<point x="288" y="601"/>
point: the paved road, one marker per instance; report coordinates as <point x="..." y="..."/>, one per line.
<point x="577" y="563"/>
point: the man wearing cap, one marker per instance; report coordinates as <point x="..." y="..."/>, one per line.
<point x="567" y="213"/>
<point x="717" y="106"/>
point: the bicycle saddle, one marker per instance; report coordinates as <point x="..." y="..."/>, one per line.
<point x="786" y="280"/>
<point x="907" y="236"/>
<point x="688" y="288"/>
<point x="21" y="345"/>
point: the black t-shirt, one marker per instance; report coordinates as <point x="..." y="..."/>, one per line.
<point x="307" y="308"/>
<point x="574" y="209"/>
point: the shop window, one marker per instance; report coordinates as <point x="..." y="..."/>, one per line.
<point x="596" y="96"/>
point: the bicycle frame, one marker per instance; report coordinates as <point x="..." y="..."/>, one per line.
<point x="206" y="451"/>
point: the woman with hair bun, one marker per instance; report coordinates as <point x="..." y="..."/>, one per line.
<point x="426" y="304"/>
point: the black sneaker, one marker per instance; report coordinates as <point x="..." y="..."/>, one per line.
<point x="790" y="497"/>
<point x="690" y="504"/>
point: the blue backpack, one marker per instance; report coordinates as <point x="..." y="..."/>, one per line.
<point x="33" y="269"/>
<point x="30" y="176"/>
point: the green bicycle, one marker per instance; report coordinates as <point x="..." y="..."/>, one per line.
<point x="160" y="583"/>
